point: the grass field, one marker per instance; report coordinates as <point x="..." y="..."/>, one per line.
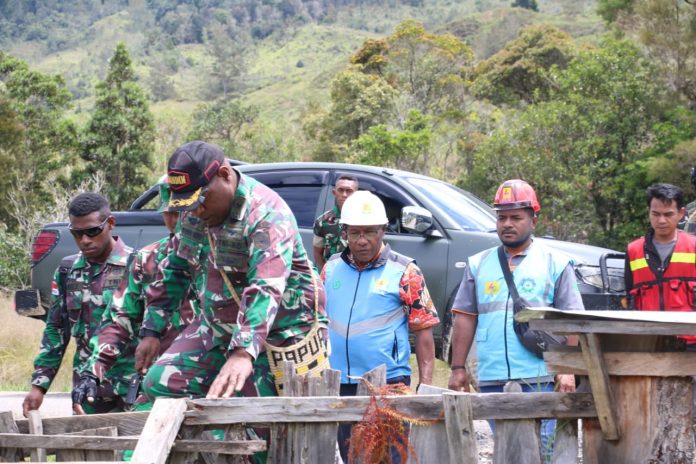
<point x="19" y="344"/>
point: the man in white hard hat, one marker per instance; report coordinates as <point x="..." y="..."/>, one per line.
<point x="374" y="297"/>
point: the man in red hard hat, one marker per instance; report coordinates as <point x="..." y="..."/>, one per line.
<point x="485" y="304"/>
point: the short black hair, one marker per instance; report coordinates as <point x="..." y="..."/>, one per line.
<point x="87" y="203"/>
<point x="347" y="177"/>
<point x="666" y="193"/>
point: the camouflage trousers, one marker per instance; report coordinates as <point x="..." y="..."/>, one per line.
<point x="188" y="368"/>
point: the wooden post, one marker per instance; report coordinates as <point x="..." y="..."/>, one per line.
<point x="8" y="425"/>
<point x="301" y="442"/>
<point x="516" y="440"/>
<point x="36" y="428"/>
<point x="461" y="436"/>
<point x="160" y="430"/>
<point x="377" y="377"/>
<point x="565" y="444"/>
<point x="599" y="381"/>
<point x="427" y="439"/>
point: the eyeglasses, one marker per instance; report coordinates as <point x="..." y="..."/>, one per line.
<point x="90" y="232"/>
<point x="369" y="235"/>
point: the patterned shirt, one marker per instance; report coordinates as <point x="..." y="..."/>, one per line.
<point x="260" y="250"/>
<point x="89" y="288"/>
<point x="113" y="350"/>
<point x="327" y="233"/>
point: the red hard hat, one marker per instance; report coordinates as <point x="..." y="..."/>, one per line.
<point x="514" y="194"/>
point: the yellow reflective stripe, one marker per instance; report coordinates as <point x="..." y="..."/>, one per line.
<point x="683" y="258"/>
<point x="639" y="263"/>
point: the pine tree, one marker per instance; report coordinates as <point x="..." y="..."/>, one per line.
<point x="528" y="4"/>
<point x="119" y="138"/>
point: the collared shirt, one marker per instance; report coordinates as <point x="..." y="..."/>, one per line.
<point x="327" y="233"/>
<point x="566" y="296"/>
<point x="89" y="288"/>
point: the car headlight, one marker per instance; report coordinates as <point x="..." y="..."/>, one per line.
<point x="591" y="275"/>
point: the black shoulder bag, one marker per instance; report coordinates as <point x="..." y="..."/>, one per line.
<point x="536" y="341"/>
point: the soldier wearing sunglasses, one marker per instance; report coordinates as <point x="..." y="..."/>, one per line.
<point x="80" y="295"/>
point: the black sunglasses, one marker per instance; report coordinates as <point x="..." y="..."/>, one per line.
<point x="91" y="231"/>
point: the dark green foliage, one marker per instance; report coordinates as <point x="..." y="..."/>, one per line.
<point x="518" y="73"/>
<point x="610" y="9"/>
<point x="14" y="262"/>
<point x="119" y="139"/>
<point x="527" y="4"/>
<point x="37" y="142"/>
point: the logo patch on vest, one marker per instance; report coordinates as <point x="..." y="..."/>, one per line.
<point x="492" y="287"/>
<point x="336" y="284"/>
<point x="527" y="285"/>
<point x="380" y="285"/>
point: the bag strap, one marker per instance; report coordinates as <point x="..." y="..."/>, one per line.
<point x="517" y="304"/>
<point x="230" y="287"/>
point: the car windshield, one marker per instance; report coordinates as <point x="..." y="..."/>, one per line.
<point x="464" y="208"/>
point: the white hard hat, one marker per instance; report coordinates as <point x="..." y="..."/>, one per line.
<point x="363" y="209"/>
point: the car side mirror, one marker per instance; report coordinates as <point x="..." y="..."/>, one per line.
<point x="416" y="219"/>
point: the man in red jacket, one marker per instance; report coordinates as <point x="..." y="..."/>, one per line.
<point x="661" y="266"/>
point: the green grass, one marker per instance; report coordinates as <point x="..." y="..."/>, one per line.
<point x="19" y="344"/>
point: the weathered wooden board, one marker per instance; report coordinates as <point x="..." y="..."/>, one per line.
<point x="128" y="423"/>
<point x="650" y="364"/>
<point x="8" y="425"/>
<point x="516" y="440"/>
<point x="599" y="381"/>
<point x="76" y="453"/>
<point x="351" y="408"/>
<point x="427" y="439"/>
<point x="565" y="445"/>
<point x="36" y="428"/>
<point x="655" y="417"/>
<point x="459" y="424"/>
<point x="160" y="430"/>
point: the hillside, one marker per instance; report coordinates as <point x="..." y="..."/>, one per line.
<point x="285" y="70"/>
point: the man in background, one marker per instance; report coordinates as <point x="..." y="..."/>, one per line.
<point x="328" y="239"/>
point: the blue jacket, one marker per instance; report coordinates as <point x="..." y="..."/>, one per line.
<point x="501" y="356"/>
<point x="367" y="322"/>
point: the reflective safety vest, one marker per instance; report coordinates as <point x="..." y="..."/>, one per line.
<point x="669" y="289"/>
<point x="368" y="325"/>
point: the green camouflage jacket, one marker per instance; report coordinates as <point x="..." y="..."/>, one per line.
<point x="89" y="288"/>
<point x="113" y="349"/>
<point x="260" y="250"/>
<point x="327" y="233"/>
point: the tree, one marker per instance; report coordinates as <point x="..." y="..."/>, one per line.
<point x="517" y="73"/>
<point x="222" y="123"/>
<point x="119" y="138"/>
<point x="229" y="64"/>
<point x="584" y="149"/>
<point x="37" y="141"/>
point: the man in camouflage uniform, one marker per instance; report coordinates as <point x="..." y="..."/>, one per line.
<point x="117" y="338"/>
<point x="328" y="239"/>
<point x="269" y="296"/>
<point x="79" y="299"/>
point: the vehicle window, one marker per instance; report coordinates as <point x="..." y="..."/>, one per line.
<point x="469" y="212"/>
<point x="393" y="198"/>
<point x="301" y="190"/>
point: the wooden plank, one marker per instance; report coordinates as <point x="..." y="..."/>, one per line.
<point x="655" y="418"/>
<point x="572" y="326"/>
<point x="8" y="425"/>
<point x="36" y="428"/>
<point x="599" y="381"/>
<point x="427" y="439"/>
<point x="650" y="364"/>
<point x="565" y="443"/>
<point x="98" y="442"/>
<point x="160" y="430"/>
<point x="322" y="437"/>
<point x="128" y="423"/>
<point x="459" y="424"/>
<point x="77" y="453"/>
<point x="351" y="408"/>
<point x="518" y="440"/>
<point x="376" y="378"/>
